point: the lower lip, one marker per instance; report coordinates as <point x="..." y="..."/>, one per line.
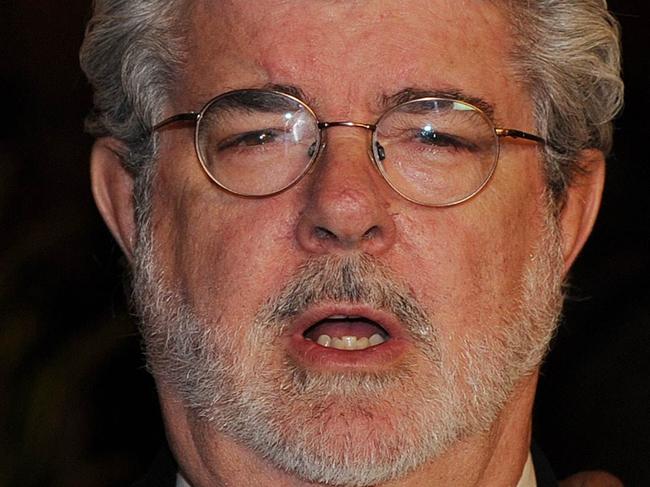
<point x="311" y="354"/>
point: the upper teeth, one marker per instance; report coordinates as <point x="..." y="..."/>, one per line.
<point x="350" y="342"/>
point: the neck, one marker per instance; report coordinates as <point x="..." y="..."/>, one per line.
<point x="493" y="458"/>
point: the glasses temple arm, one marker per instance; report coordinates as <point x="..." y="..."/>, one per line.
<point x="518" y="134"/>
<point x="181" y="117"/>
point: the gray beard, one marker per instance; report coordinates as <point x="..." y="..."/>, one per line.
<point x="352" y="429"/>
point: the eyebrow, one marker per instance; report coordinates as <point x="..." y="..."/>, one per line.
<point x="385" y="102"/>
<point x="408" y="94"/>
<point x="289" y="90"/>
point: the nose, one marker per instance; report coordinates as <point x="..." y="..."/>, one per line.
<point x="347" y="202"/>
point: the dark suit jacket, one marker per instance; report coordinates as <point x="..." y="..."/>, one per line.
<point x="163" y="471"/>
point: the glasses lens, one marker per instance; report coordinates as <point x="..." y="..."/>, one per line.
<point x="434" y="151"/>
<point x="256" y="143"/>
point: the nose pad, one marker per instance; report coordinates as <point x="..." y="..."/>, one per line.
<point x="347" y="203"/>
<point x="312" y="149"/>
<point x="380" y="151"/>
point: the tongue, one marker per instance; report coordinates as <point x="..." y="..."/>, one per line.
<point x="341" y="328"/>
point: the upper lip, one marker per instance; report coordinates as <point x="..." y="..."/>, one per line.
<point x="317" y="313"/>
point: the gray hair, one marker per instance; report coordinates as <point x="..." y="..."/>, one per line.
<point x="566" y="53"/>
<point x="132" y="53"/>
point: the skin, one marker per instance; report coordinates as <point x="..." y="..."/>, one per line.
<point x="464" y="262"/>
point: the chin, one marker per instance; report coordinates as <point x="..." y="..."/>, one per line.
<point x="353" y="429"/>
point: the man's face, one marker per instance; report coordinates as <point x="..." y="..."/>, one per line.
<point x="236" y="291"/>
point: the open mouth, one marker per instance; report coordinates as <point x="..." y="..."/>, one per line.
<point x="342" y="336"/>
<point x="346" y="332"/>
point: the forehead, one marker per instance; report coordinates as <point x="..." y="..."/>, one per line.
<point x="344" y="53"/>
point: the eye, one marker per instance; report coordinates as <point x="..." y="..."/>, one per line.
<point x="427" y="135"/>
<point x="251" y="139"/>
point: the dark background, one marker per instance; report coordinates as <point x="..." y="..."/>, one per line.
<point x="76" y="406"/>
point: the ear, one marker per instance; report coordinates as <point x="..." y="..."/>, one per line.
<point x="112" y="186"/>
<point x="581" y="205"/>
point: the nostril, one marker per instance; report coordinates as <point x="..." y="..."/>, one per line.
<point x="323" y="233"/>
<point x="371" y="233"/>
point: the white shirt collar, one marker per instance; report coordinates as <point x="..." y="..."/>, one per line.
<point x="527" y="476"/>
<point x="181" y="482"/>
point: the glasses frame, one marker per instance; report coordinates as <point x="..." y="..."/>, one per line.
<point x="197" y="117"/>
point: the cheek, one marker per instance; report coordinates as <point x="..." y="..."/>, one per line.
<point x="465" y="263"/>
<point x="225" y="254"/>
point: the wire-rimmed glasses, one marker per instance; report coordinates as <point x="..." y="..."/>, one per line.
<point x="432" y="151"/>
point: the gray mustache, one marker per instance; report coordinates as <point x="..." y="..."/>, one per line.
<point x="355" y="279"/>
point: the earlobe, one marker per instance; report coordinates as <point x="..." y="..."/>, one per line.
<point x="582" y="204"/>
<point x="112" y="186"/>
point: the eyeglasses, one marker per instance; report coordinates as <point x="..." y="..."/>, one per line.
<point x="432" y="151"/>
